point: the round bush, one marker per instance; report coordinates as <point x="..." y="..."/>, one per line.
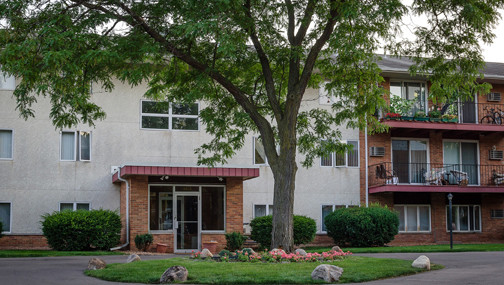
<point x="360" y="227"/>
<point x="142" y="242"/>
<point x="305" y="229"/>
<point x="82" y="230"/>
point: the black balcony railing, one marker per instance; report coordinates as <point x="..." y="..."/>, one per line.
<point x="466" y="112"/>
<point x="436" y="174"/>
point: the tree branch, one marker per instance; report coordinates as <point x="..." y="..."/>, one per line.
<point x="292" y="22"/>
<point x="305" y="22"/>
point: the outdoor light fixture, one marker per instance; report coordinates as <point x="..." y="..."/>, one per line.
<point x="450" y="219"/>
<point x="165" y="177"/>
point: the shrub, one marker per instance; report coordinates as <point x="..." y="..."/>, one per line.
<point x="224" y="252"/>
<point x="234" y="241"/>
<point x="82" y="230"/>
<point x="305" y="229"/>
<point x="143" y="242"/>
<point x="372" y="226"/>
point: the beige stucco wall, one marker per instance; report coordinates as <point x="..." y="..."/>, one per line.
<point x="36" y="181"/>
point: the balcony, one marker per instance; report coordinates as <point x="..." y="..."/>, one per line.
<point x="433" y="177"/>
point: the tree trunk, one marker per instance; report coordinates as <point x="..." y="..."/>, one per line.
<point x="283" y="202"/>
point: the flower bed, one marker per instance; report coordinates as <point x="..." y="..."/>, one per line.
<point x="277" y="256"/>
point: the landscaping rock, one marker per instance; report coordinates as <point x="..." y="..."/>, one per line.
<point x="206" y="253"/>
<point x="278" y="251"/>
<point x="133" y="258"/>
<point x="300" y="251"/>
<point x="328" y="273"/>
<point x="421" y="262"/>
<point x="336" y="248"/>
<point x="96" y="263"/>
<point x="174" y="273"/>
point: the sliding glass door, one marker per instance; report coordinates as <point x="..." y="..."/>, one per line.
<point x="409" y="159"/>
<point x="461" y="161"/>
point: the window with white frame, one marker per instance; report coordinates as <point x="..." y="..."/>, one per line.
<point x="74" y="206"/>
<point x="327" y="209"/>
<point x="414" y="218"/>
<point x="6" y="144"/>
<point x="465" y="218"/>
<point x="263" y="210"/>
<point x="75" y="145"/>
<point x="412" y="91"/>
<point x="347" y="159"/>
<point x="169" y="116"/>
<point x="7" y="82"/>
<point x="5" y="216"/>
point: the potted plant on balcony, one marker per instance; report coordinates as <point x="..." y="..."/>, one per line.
<point x="449" y="118"/>
<point x="392" y="116"/>
<point x="435" y="114"/>
<point x="402" y="106"/>
<point x="421" y="116"/>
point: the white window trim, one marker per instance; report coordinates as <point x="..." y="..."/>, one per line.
<point x="267" y="209"/>
<point x="170" y="116"/>
<point x="333" y="207"/>
<point x="10" y="217"/>
<point x="74" y="205"/>
<point x="418" y="218"/>
<point x="81" y="133"/>
<point x="12" y="145"/>
<point x="333" y="157"/>
<point x="74" y="147"/>
<point x="457" y="221"/>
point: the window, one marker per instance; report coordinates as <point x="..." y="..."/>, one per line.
<point x="414" y="218"/>
<point x="6" y="144"/>
<point x="465" y="218"/>
<point x="497" y="213"/>
<point x="212" y="208"/>
<point x="413" y="91"/>
<point x="160" y="208"/>
<point x="462" y="158"/>
<point x="70" y="146"/>
<point x="409" y="160"/>
<point x="262" y="210"/>
<point x="169" y="116"/>
<point x="5" y="216"/>
<point x="350" y="158"/>
<point x="7" y="82"/>
<point x="327" y="209"/>
<point x="74" y="206"/>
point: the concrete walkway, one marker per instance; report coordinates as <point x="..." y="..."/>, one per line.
<point x="460" y="268"/>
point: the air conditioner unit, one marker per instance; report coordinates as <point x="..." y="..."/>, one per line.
<point x="494" y="97"/>
<point x="497" y="214"/>
<point x="496" y="154"/>
<point x="377" y="151"/>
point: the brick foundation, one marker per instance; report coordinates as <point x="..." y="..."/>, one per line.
<point x="23" y="242"/>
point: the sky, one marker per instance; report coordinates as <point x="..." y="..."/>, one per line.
<point x="495" y="52"/>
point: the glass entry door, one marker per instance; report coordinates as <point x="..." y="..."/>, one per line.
<point x="187" y="234"/>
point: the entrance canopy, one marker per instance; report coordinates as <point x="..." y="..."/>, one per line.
<point x="244" y="173"/>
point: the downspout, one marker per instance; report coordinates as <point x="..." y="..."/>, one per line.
<point x="366" y="165"/>
<point x="127" y="209"/>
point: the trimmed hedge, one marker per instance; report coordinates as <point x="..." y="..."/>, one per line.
<point x="234" y="241"/>
<point x="82" y="229"/>
<point x="305" y="229"/>
<point x="142" y="242"/>
<point x="362" y="227"/>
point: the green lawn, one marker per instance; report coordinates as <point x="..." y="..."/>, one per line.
<point x="46" y="253"/>
<point x="356" y="269"/>
<point x="418" y="248"/>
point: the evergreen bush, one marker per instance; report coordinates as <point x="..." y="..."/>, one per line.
<point x="82" y="229"/>
<point x="234" y="241"/>
<point x="361" y="227"/>
<point x="142" y="242"/>
<point x="305" y="229"/>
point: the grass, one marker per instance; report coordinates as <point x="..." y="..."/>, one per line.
<point x="356" y="269"/>
<point x="48" y="253"/>
<point x="417" y="248"/>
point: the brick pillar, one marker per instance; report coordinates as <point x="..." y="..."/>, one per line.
<point x="139" y="207"/>
<point x="234" y="205"/>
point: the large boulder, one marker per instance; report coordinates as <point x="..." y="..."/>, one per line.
<point x="174" y="273"/>
<point x="336" y="248"/>
<point x="326" y="272"/>
<point x="96" y="263"/>
<point x="278" y="251"/>
<point x="132" y="258"/>
<point x="206" y="253"/>
<point x="300" y="251"/>
<point x="421" y="262"/>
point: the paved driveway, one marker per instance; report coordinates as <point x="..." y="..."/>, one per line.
<point x="461" y="268"/>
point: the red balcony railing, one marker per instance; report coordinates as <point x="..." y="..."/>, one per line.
<point x="436" y="174"/>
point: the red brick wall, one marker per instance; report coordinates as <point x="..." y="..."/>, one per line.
<point x="23" y="242"/>
<point x="234" y="205"/>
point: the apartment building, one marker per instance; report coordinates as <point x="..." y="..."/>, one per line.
<point x="140" y="161"/>
<point x="421" y="161"/>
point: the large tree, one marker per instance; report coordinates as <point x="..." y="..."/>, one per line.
<point x="251" y="61"/>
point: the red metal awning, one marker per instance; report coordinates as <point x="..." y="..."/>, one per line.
<point x="128" y="170"/>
